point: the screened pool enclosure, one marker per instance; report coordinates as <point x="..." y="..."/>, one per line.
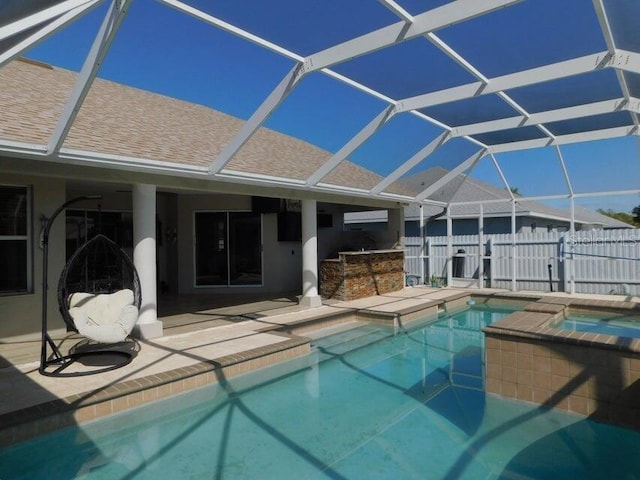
<point x="540" y="98"/>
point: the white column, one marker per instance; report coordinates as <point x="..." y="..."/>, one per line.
<point x="481" y="248"/>
<point x="423" y="280"/>
<point x="310" y="295"/>
<point x="395" y="228"/>
<point x="514" y="261"/>
<point x="144" y="259"/>
<point x="449" y="248"/>
<point x="572" y="230"/>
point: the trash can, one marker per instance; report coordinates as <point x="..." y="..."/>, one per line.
<point x="458" y="264"/>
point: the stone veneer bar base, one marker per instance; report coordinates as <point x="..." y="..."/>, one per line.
<point x="363" y="274"/>
<point x="583" y="373"/>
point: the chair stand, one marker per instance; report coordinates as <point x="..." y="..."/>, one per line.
<point x="61" y="362"/>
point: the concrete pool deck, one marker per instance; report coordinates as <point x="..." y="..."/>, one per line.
<point x="204" y="344"/>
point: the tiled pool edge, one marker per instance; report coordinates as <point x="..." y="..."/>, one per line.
<point x="583" y="373"/>
<point x="61" y="413"/>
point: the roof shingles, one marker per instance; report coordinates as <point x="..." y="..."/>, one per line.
<point x="119" y="120"/>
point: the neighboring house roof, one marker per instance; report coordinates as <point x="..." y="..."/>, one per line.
<point x="468" y="189"/>
<point x="120" y="120"/>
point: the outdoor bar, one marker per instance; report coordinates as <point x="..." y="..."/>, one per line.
<point x="362" y="274"/>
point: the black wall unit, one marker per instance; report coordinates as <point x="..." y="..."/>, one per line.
<point x="325" y="220"/>
<point x="265" y="205"/>
<point x="289" y="227"/>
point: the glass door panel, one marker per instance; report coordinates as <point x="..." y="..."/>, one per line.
<point x="245" y="248"/>
<point x="211" y="248"/>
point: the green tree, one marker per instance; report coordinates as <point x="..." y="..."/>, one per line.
<point x="623" y="216"/>
<point x="636" y="214"/>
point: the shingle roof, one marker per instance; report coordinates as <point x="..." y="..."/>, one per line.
<point x="468" y="189"/>
<point x="120" y="120"/>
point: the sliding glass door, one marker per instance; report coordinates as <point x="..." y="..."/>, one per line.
<point x="228" y="248"/>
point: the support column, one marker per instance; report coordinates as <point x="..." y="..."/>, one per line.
<point x="481" y="248"/>
<point x="144" y="258"/>
<point x="449" y="247"/>
<point x="395" y="227"/>
<point x="514" y="251"/>
<point x="423" y="279"/>
<point x="572" y="244"/>
<point x="310" y="297"/>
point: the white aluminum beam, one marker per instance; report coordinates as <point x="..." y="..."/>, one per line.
<point x="633" y="105"/>
<point x="604" y="25"/>
<point x="39" y="17"/>
<point x="611" y="45"/>
<point x="397" y="10"/>
<point x="468" y="163"/>
<point x="514" y="249"/>
<point x="627" y="61"/>
<point x="227" y="27"/>
<point x="432" y="20"/>
<point x="352" y="145"/>
<point x="561" y="196"/>
<point x="114" y="18"/>
<point x="568" y="68"/>
<point x="608" y="193"/>
<point x="264" y="111"/>
<point x="579" y="111"/>
<point x="565" y="172"/>
<point x="564" y="139"/>
<point x="46" y="31"/>
<point x="435" y="144"/>
<point x="496" y="165"/>
<point x="460" y="60"/>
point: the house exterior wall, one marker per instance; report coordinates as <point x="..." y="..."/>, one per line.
<point x="492" y="226"/>
<point x="282" y="261"/>
<point x="21" y="314"/>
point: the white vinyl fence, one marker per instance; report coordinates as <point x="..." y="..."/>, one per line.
<point x="598" y="261"/>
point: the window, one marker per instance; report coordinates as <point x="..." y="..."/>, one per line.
<point x="15" y="258"/>
<point x="83" y="225"/>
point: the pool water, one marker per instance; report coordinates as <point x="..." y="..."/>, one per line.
<point x="369" y="403"/>
<point x="622" y="326"/>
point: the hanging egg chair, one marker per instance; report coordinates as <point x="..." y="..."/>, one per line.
<point x="99" y="292"/>
<point x="99" y="297"/>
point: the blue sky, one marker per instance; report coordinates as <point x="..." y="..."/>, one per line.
<point x="164" y="51"/>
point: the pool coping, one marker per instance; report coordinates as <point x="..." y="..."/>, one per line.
<point x="46" y="417"/>
<point x="36" y="420"/>
<point x="536" y="321"/>
<point x="56" y="414"/>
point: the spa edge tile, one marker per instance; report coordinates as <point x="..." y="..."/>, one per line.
<point x="509" y="389"/>
<point x="542" y="380"/>
<point x="524" y="393"/>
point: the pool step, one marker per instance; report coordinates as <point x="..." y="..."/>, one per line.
<point x="339" y="345"/>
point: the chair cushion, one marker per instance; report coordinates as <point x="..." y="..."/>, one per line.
<point x="105" y="318"/>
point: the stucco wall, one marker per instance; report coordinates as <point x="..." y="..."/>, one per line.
<point x="21" y="314"/>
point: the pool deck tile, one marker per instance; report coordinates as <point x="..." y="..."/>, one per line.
<point x="203" y="345"/>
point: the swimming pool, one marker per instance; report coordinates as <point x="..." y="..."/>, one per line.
<point x="368" y="403"/>
<point x="620" y="325"/>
